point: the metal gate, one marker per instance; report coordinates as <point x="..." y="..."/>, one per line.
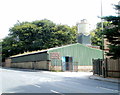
<point x="97" y="66"/>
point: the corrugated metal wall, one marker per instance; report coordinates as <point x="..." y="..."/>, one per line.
<point x="31" y="58"/>
<point x="80" y="53"/>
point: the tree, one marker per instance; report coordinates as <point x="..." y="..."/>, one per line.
<point x="36" y="35"/>
<point x="65" y="35"/>
<point x="8" y="47"/>
<point x="96" y="34"/>
<point x="112" y="33"/>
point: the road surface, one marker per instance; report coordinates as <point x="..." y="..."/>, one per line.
<point x="27" y="81"/>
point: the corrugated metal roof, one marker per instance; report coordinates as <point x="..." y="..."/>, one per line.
<point x="38" y="51"/>
<point x="41" y="51"/>
<point x="73" y="45"/>
<point x="28" y="53"/>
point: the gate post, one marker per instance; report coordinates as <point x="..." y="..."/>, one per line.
<point x="103" y="68"/>
<point x="106" y="67"/>
<point x="99" y="69"/>
<point x="93" y="66"/>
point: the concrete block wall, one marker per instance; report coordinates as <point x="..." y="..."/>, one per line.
<point x="31" y="65"/>
<point x="41" y="65"/>
<point x="7" y="62"/>
<point x="58" y="68"/>
<point x="85" y="68"/>
<point x="25" y="65"/>
<point x="77" y="68"/>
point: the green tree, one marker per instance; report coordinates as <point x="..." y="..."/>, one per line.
<point x="112" y="33"/>
<point x="96" y="35"/>
<point x="65" y="35"/>
<point x="8" y="47"/>
<point x="36" y="35"/>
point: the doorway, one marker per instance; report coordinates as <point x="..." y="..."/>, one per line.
<point x="67" y="63"/>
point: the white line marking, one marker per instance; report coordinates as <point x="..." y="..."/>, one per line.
<point x="108" y="89"/>
<point x="11" y="92"/>
<point x="37" y="86"/>
<point x="54" y="91"/>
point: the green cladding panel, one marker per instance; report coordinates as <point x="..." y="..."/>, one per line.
<point x="31" y="57"/>
<point x="81" y="54"/>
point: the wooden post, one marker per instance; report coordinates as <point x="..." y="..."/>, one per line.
<point x="103" y="69"/>
<point x="119" y="66"/>
<point x="106" y="62"/>
<point x="99" y="69"/>
<point x="93" y="66"/>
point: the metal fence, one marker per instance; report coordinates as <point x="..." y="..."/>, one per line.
<point x="97" y="66"/>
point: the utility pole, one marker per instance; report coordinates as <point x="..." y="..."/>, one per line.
<point x="103" y="62"/>
<point x="102" y="28"/>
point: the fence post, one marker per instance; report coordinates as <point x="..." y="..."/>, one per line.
<point x="93" y="66"/>
<point x="103" y="68"/>
<point x="99" y="62"/>
<point x="106" y="62"/>
<point x="93" y="61"/>
<point x="119" y="66"/>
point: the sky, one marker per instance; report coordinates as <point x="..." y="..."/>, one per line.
<point x="67" y="12"/>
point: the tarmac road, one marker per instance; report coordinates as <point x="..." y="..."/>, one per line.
<point x="30" y="81"/>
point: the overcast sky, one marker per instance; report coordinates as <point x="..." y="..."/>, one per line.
<point x="67" y="12"/>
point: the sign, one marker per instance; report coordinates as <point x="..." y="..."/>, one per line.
<point x="55" y="55"/>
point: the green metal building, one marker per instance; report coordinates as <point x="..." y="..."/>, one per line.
<point x="73" y="57"/>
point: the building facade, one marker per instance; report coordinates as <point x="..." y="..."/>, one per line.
<point x="73" y="57"/>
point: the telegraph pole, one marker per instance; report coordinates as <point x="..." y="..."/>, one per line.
<point x="103" y="62"/>
<point x="102" y="28"/>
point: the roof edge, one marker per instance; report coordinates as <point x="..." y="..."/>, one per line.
<point x="28" y="53"/>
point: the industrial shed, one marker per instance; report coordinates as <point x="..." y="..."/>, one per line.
<point x="73" y="57"/>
